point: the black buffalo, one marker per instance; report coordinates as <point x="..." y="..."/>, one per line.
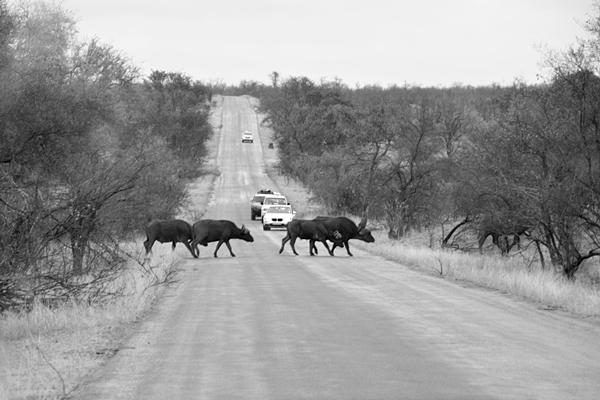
<point x="171" y="230"/>
<point x="346" y="230"/>
<point x="311" y="230"/>
<point x="209" y="230"/>
<point x="505" y="235"/>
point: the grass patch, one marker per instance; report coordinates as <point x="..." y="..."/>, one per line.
<point x="45" y="352"/>
<point x="514" y="275"/>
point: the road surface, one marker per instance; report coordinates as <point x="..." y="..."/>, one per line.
<point x="269" y="326"/>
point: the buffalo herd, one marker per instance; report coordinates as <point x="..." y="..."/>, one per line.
<point x="338" y="230"/>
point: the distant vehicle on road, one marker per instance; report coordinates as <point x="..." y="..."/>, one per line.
<point x="272" y="200"/>
<point x="257" y="200"/>
<point x="247" y="136"/>
<point x="277" y="217"/>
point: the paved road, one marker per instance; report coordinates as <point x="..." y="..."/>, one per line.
<point x="270" y="326"/>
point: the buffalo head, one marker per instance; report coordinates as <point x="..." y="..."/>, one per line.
<point x="365" y="235"/>
<point x="245" y="234"/>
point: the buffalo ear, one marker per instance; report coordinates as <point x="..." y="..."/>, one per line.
<point x="244" y="229"/>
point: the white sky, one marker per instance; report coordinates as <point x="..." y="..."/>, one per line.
<point x="422" y="42"/>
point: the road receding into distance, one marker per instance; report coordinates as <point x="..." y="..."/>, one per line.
<point x="269" y="326"/>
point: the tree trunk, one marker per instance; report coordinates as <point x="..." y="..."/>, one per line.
<point x="78" y="247"/>
<point x="449" y="235"/>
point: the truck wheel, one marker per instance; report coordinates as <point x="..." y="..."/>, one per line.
<point x="252" y="217"/>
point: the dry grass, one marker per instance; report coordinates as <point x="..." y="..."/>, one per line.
<point x="517" y="275"/>
<point x="46" y="352"/>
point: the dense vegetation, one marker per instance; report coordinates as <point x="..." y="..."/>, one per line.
<point x="512" y="160"/>
<point x="89" y="152"/>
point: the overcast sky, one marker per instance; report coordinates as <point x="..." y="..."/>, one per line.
<point x="385" y="42"/>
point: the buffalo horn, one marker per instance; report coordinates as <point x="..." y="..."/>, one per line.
<point x="363" y="222"/>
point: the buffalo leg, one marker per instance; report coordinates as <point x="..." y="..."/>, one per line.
<point x="515" y="242"/>
<point x="283" y="242"/>
<point x="292" y="245"/>
<point x="347" y="244"/>
<point x="495" y="239"/>
<point x="333" y="247"/>
<point x="148" y="245"/>
<point x="481" y="241"/>
<point x="503" y="244"/>
<point x="195" y="244"/>
<point x="217" y="249"/>
<point x="311" y="247"/>
<point x="314" y="247"/>
<point x="194" y="247"/>
<point x="229" y="247"/>
<point x="341" y="246"/>
<point x="327" y="247"/>
<point x="189" y="247"/>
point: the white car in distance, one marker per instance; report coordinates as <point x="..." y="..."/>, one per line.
<point x="277" y="216"/>
<point x="247" y="136"/>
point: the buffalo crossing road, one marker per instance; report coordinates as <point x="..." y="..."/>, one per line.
<point x="270" y="326"/>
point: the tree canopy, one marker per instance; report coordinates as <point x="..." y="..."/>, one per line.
<point x="90" y="150"/>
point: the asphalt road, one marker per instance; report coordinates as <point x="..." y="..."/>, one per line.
<point x="270" y="326"/>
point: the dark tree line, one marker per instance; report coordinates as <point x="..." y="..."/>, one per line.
<point x="89" y="152"/>
<point x="524" y="158"/>
<point x="395" y="150"/>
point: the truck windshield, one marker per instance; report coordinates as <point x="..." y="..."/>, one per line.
<point x="275" y="201"/>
